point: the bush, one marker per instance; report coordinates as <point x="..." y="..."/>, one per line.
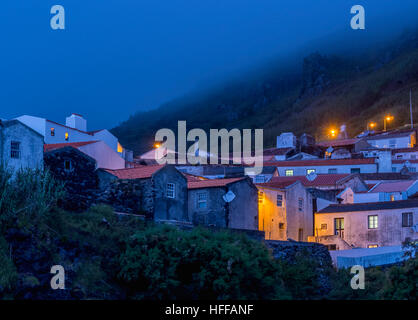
<point x="162" y="262"/>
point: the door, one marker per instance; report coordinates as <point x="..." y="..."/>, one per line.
<point x="339" y="227"/>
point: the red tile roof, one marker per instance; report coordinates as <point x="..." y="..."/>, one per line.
<point x="212" y="183"/>
<point x="141" y="172"/>
<point x="338" y="143"/>
<point x="55" y="146"/>
<point x="405" y="150"/>
<point x="404" y="160"/>
<point x="320" y="180"/>
<point x="320" y="162"/>
<point x="277" y="184"/>
<point x="398" y="186"/>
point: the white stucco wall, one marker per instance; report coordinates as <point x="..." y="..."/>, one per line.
<point x="105" y="157"/>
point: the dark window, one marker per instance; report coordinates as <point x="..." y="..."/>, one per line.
<point x="355" y="170"/>
<point x="67" y="165"/>
<point x="15" y="150"/>
<point x="170" y="191"/>
<point x="407" y="219"/>
<point x="324" y="226"/>
<point x="52" y="132"/>
<point x="279" y="200"/>
<point x="202" y="200"/>
<point x="332" y="247"/>
<point x="281" y="225"/>
<point x="332" y="171"/>
<point x="339" y="227"/>
<point x="300" y="234"/>
<point x="300" y="204"/>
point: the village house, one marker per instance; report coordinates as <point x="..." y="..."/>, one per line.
<point x="159" y="192"/>
<point x="405" y="154"/>
<point x="393" y="139"/>
<point x="226" y="203"/>
<point x="325" y="166"/>
<point x="20" y="146"/>
<point x="74" y="130"/>
<point x="382" y="191"/>
<point x="338" y="146"/>
<point x="326" y="181"/>
<point x="105" y="156"/>
<point x="285" y="211"/>
<point x="366" y="225"/>
<point x="77" y="171"/>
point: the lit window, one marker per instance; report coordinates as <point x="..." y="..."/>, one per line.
<point x="170" y="191"/>
<point x="332" y="171"/>
<point x="310" y="171"/>
<point x="52" y="132"/>
<point x="15" y="150"/>
<point x="392" y="197"/>
<point x="260" y="196"/>
<point x="120" y="148"/>
<point x="300" y="204"/>
<point x="289" y="173"/>
<point x="407" y="219"/>
<point x="324" y="226"/>
<point x="373" y="222"/>
<point x="372" y="246"/>
<point x="202" y="200"/>
<point x="279" y="200"/>
<point x="66" y="136"/>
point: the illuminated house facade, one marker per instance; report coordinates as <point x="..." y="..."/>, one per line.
<point x="366" y="225"/>
<point x="74" y="130"/>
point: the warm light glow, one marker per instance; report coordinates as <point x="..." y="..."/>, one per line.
<point x="333" y="133"/>
<point x="157" y="145"/>
<point x="120" y="148"/>
<point x="372" y="124"/>
<point x="66" y="136"/>
<point x="389" y="118"/>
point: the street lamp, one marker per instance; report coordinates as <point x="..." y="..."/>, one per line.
<point x="385" y="120"/>
<point x="333" y="133"/>
<point x="371" y="125"/>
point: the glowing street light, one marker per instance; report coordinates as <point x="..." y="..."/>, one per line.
<point x="157" y="145"/>
<point x="387" y="119"/>
<point x="333" y="133"/>
<point x="371" y="125"/>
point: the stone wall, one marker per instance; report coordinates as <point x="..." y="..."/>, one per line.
<point x="80" y="179"/>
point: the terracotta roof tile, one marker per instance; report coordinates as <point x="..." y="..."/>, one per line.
<point x="212" y="183"/>
<point x="398" y="186"/>
<point x="320" y="162"/>
<point x="370" y="206"/>
<point x="320" y="180"/>
<point x="141" y="172"/>
<point x="55" y="146"/>
<point x="338" y="143"/>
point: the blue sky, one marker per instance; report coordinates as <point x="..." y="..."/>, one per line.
<point x="116" y="57"/>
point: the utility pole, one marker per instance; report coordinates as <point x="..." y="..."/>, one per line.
<point x="410" y="108"/>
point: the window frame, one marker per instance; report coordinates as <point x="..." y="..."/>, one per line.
<point x="309" y="171"/>
<point x="407" y="223"/>
<point x="371" y="224"/>
<point x="300" y="204"/>
<point x="200" y="200"/>
<point x="289" y="170"/>
<point x="170" y="190"/>
<point x="281" y="200"/>
<point x="15" y="153"/>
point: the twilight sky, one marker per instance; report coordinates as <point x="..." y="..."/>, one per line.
<point x="116" y="57"/>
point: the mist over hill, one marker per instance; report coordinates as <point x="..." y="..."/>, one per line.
<point x="309" y="91"/>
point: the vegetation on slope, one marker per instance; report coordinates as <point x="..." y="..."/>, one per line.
<point x="328" y="91"/>
<point x="111" y="257"/>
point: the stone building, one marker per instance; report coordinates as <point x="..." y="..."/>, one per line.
<point x="367" y="225"/>
<point x="156" y="191"/>
<point x="226" y="203"/>
<point x="78" y="171"/>
<point x="20" y="146"/>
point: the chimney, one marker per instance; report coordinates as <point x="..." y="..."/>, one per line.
<point x="76" y="121"/>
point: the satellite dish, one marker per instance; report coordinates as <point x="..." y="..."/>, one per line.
<point x="229" y="196"/>
<point x="311" y="176"/>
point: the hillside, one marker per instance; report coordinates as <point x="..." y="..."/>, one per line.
<point x="321" y="91"/>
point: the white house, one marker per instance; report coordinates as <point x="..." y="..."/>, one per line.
<point x="325" y="166"/>
<point x="366" y="225"/>
<point x="105" y="156"/>
<point x="74" y="130"/>
<point x="393" y="139"/>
